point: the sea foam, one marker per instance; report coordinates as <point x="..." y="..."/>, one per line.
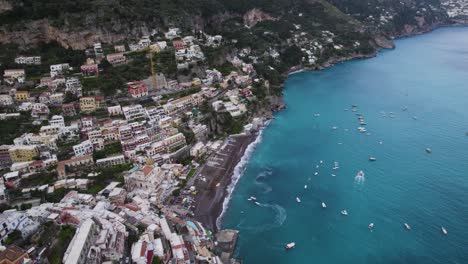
<point x="238" y="172"/>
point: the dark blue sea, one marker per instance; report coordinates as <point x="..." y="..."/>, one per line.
<point x="412" y="98"/>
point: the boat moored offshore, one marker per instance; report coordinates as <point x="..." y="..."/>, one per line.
<point x="290" y="246"/>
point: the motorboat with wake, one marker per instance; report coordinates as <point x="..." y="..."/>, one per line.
<point x="344" y="212"/>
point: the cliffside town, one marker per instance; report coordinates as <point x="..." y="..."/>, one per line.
<point x="121" y="130"/>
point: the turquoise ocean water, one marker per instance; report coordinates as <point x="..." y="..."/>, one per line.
<point x="428" y="74"/>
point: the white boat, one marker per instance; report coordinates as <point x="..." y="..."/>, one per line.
<point x="257" y="203"/>
<point x="317" y="166"/>
<point x="429" y="150"/>
<point x="316" y="115"/>
<point x="290" y="246"/>
<point x="360" y="174"/>
<point x="334" y="127"/>
<point x="344" y="212"/>
<point x="321" y="161"/>
<point x="380" y="142"/>
<point x="324" y="205"/>
<point x="333" y="175"/>
<point x="298" y="200"/>
<point x="372" y="158"/>
<point x="371" y="227"/>
<point x="407" y="226"/>
<point x="316" y="173"/>
<point x="305" y="186"/>
<point x="346" y="109"/>
<point x="252" y="198"/>
<point x="444" y="231"/>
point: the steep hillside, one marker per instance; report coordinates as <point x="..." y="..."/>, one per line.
<point x="278" y="33"/>
<point x="78" y="23"/>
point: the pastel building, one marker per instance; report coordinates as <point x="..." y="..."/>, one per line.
<point x="23" y="153"/>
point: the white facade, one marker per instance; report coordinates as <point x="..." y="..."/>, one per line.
<point x="81" y="243"/>
<point x="134" y="112"/>
<point x="114" y="110"/>
<point x="31" y="60"/>
<point x="57" y="69"/>
<point x="84" y="148"/>
<point x="111" y="161"/>
<point x="57" y="120"/>
<point x="6" y="100"/>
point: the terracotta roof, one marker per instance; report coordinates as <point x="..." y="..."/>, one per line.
<point x="13" y="253"/>
<point x="146" y="170"/>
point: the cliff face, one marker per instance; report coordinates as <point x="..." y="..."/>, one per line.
<point x="254" y="16"/>
<point x="78" y="24"/>
<point x="5" y="6"/>
<point x="38" y="31"/>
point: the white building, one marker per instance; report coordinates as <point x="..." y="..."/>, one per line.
<point x="198" y="150"/>
<point x="111" y="161"/>
<point x="114" y="110"/>
<point x="134" y="112"/>
<point x="84" y="148"/>
<point x="172" y="33"/>
<point x="57" y="69"/>
<point x="57" y="120"/>
<point x="6" y="100"/>
<point x="78" y="248"/>
<point x="31" y="60"/>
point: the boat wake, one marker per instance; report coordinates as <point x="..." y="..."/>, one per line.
<point x="360" y="178"/>
<point x="238" y="172"/>
<point x="262" y="176"/>
<point x="280" y="216"/>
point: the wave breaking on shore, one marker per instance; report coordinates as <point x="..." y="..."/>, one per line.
<point x="238" y="172"/>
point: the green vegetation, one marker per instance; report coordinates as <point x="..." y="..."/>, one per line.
<point x="165" y="62"/>
<point x="12" y="237"/>
<point x="51" y="53"/>
<point x="191" y="173"/>
<point x="182" y="93"/>
<point x="106" y="175"/>
<point x="57" y="195"/>
<point x="231" y="125"/>
<point x="109" y="149"/>
<point x="115" y="78"/>
<point x="13" y="128"/>
<point x="60" y="245"/>
<point x="38" y="179"/>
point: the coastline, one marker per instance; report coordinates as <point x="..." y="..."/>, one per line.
<point x="215" y="177"/>
<point x="337" y="60"/>
<point x="212" y="204"/>
<point x="238" y="171"/>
